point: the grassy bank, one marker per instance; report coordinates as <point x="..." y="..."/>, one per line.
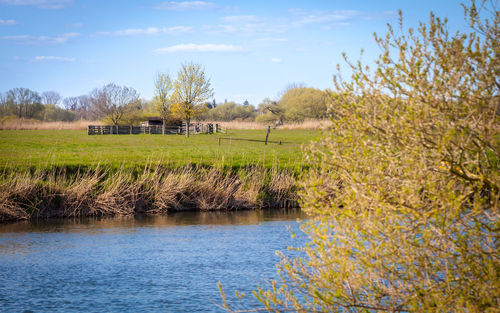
<point x="66" y="173"/>
<point x="74" y="148"/>
<point x="155" y="190"/>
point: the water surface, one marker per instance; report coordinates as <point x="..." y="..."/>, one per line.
<point x="151" y="264"/>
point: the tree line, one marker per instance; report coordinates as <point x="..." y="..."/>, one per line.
<point x="187" y="97"/>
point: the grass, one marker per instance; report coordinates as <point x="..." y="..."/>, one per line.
<point x="67" y="173"/>
<point x="74" y="148"/>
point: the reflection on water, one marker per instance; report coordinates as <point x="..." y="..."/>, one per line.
<point x="139" y="264"/>
<point x="246" y="217"/>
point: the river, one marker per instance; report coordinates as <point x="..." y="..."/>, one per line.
<point x="166" y="263"/>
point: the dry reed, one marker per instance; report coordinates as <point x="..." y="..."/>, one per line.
<point x="305" y="125"/>
<point x="156" y="190"/>
<point x="27" y="124"/>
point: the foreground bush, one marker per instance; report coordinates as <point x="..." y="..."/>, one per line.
<point x="157" y="190"/>
<point x="405" y="205"/>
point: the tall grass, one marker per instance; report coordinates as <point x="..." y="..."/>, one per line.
<point x="20" y="124"/>
<point x="152" y="190"/>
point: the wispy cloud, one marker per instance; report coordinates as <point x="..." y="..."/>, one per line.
<point x="275" y="60"/>
<point x="191" y="47"/>
<point x="337" y="17"/>
<point x="34" y="40"/>
<point x="7" y="22"/>
<point x="185" y="5"/>
<point x="241" y="19"/>
<point x="43" y="4"/>
<point x="246" y="25"/>
<point x="42" y="58"/>
<point x="175" y="30"/>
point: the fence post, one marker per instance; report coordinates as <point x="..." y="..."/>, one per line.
<point x="267" y="135"/>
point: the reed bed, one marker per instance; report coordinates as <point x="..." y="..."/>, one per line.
<point x="305" y="125"/>
<point x="28" y="124"/>
<point x="99" y="191"/>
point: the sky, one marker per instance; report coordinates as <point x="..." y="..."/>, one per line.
<point x="250" y="49"/>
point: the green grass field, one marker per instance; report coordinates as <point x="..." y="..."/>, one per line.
<point x="72" y="148"/>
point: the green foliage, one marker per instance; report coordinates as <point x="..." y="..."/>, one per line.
<point x="230" y="111"/>
<point x="302" y="103"/>
<point x="22" y="102"/>
<point x="403" y="193"/>
<point x="162" y="98"/>
<point x="52" y="113"/>
<point x="191" y="90"/>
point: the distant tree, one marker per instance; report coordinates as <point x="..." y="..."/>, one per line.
<point x="51" y="97"/>
<point x="113" y="101"/>
<point x="71" y="103"/>
<point x="230" y="111"/>
<point x="84" y="108"/>
<point x="162" y="98"/>
<point x="4" y="108"/>
<point x="271" y="111"/>
<point x="299" y="103"/>
<point x="191" y="90"/>
<point x="214" y="104"/>
<point x="53" y="113"/>
<point x="246" y="102"/>
<point x="24" y="102"/>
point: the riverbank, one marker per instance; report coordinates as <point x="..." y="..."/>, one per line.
<point x="106" y="191"/>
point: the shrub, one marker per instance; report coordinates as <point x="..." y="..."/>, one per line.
<point x="404" y="193"/>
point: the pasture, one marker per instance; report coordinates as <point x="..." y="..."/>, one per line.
<point x="74" y="148"/>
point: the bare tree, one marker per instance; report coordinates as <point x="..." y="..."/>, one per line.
<point x="51" y="97"/>
<point x="71" y="103"/>
<point x="113" y="101"/>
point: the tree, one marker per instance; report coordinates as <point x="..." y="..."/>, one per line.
<point x="163" y="86"/>
<point x="71" y="103"/>
<point x="299" y="103"/>
<point x="51" y="97"/>
<point x="191" y="89"/>
<point x="271" y="112"/>
<point x="228" y="112"/>
<point x="403" y="194"/>
<point x="24" y="102"/>
<point x="113" y="101"/>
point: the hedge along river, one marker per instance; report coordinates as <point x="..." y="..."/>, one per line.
<point x="168" y="263"/>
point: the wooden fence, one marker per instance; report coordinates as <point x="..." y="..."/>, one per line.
<point x="195" y="128"/>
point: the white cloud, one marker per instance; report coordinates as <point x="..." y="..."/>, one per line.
<point x="199" y="48"/>
<point x="338" y="17"/>
<point x="304" y="17"/>
<point x="7" y="22"/>
<point x="44" y="4"/>
<point x="275" y="60"/>
<point x="185" y="5"/>
<point x="29" y="39"/>
<point x="41" y="58"/>
<point x="149" y="31"/>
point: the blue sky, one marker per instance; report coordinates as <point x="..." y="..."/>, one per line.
<point x="250" y="49"/>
